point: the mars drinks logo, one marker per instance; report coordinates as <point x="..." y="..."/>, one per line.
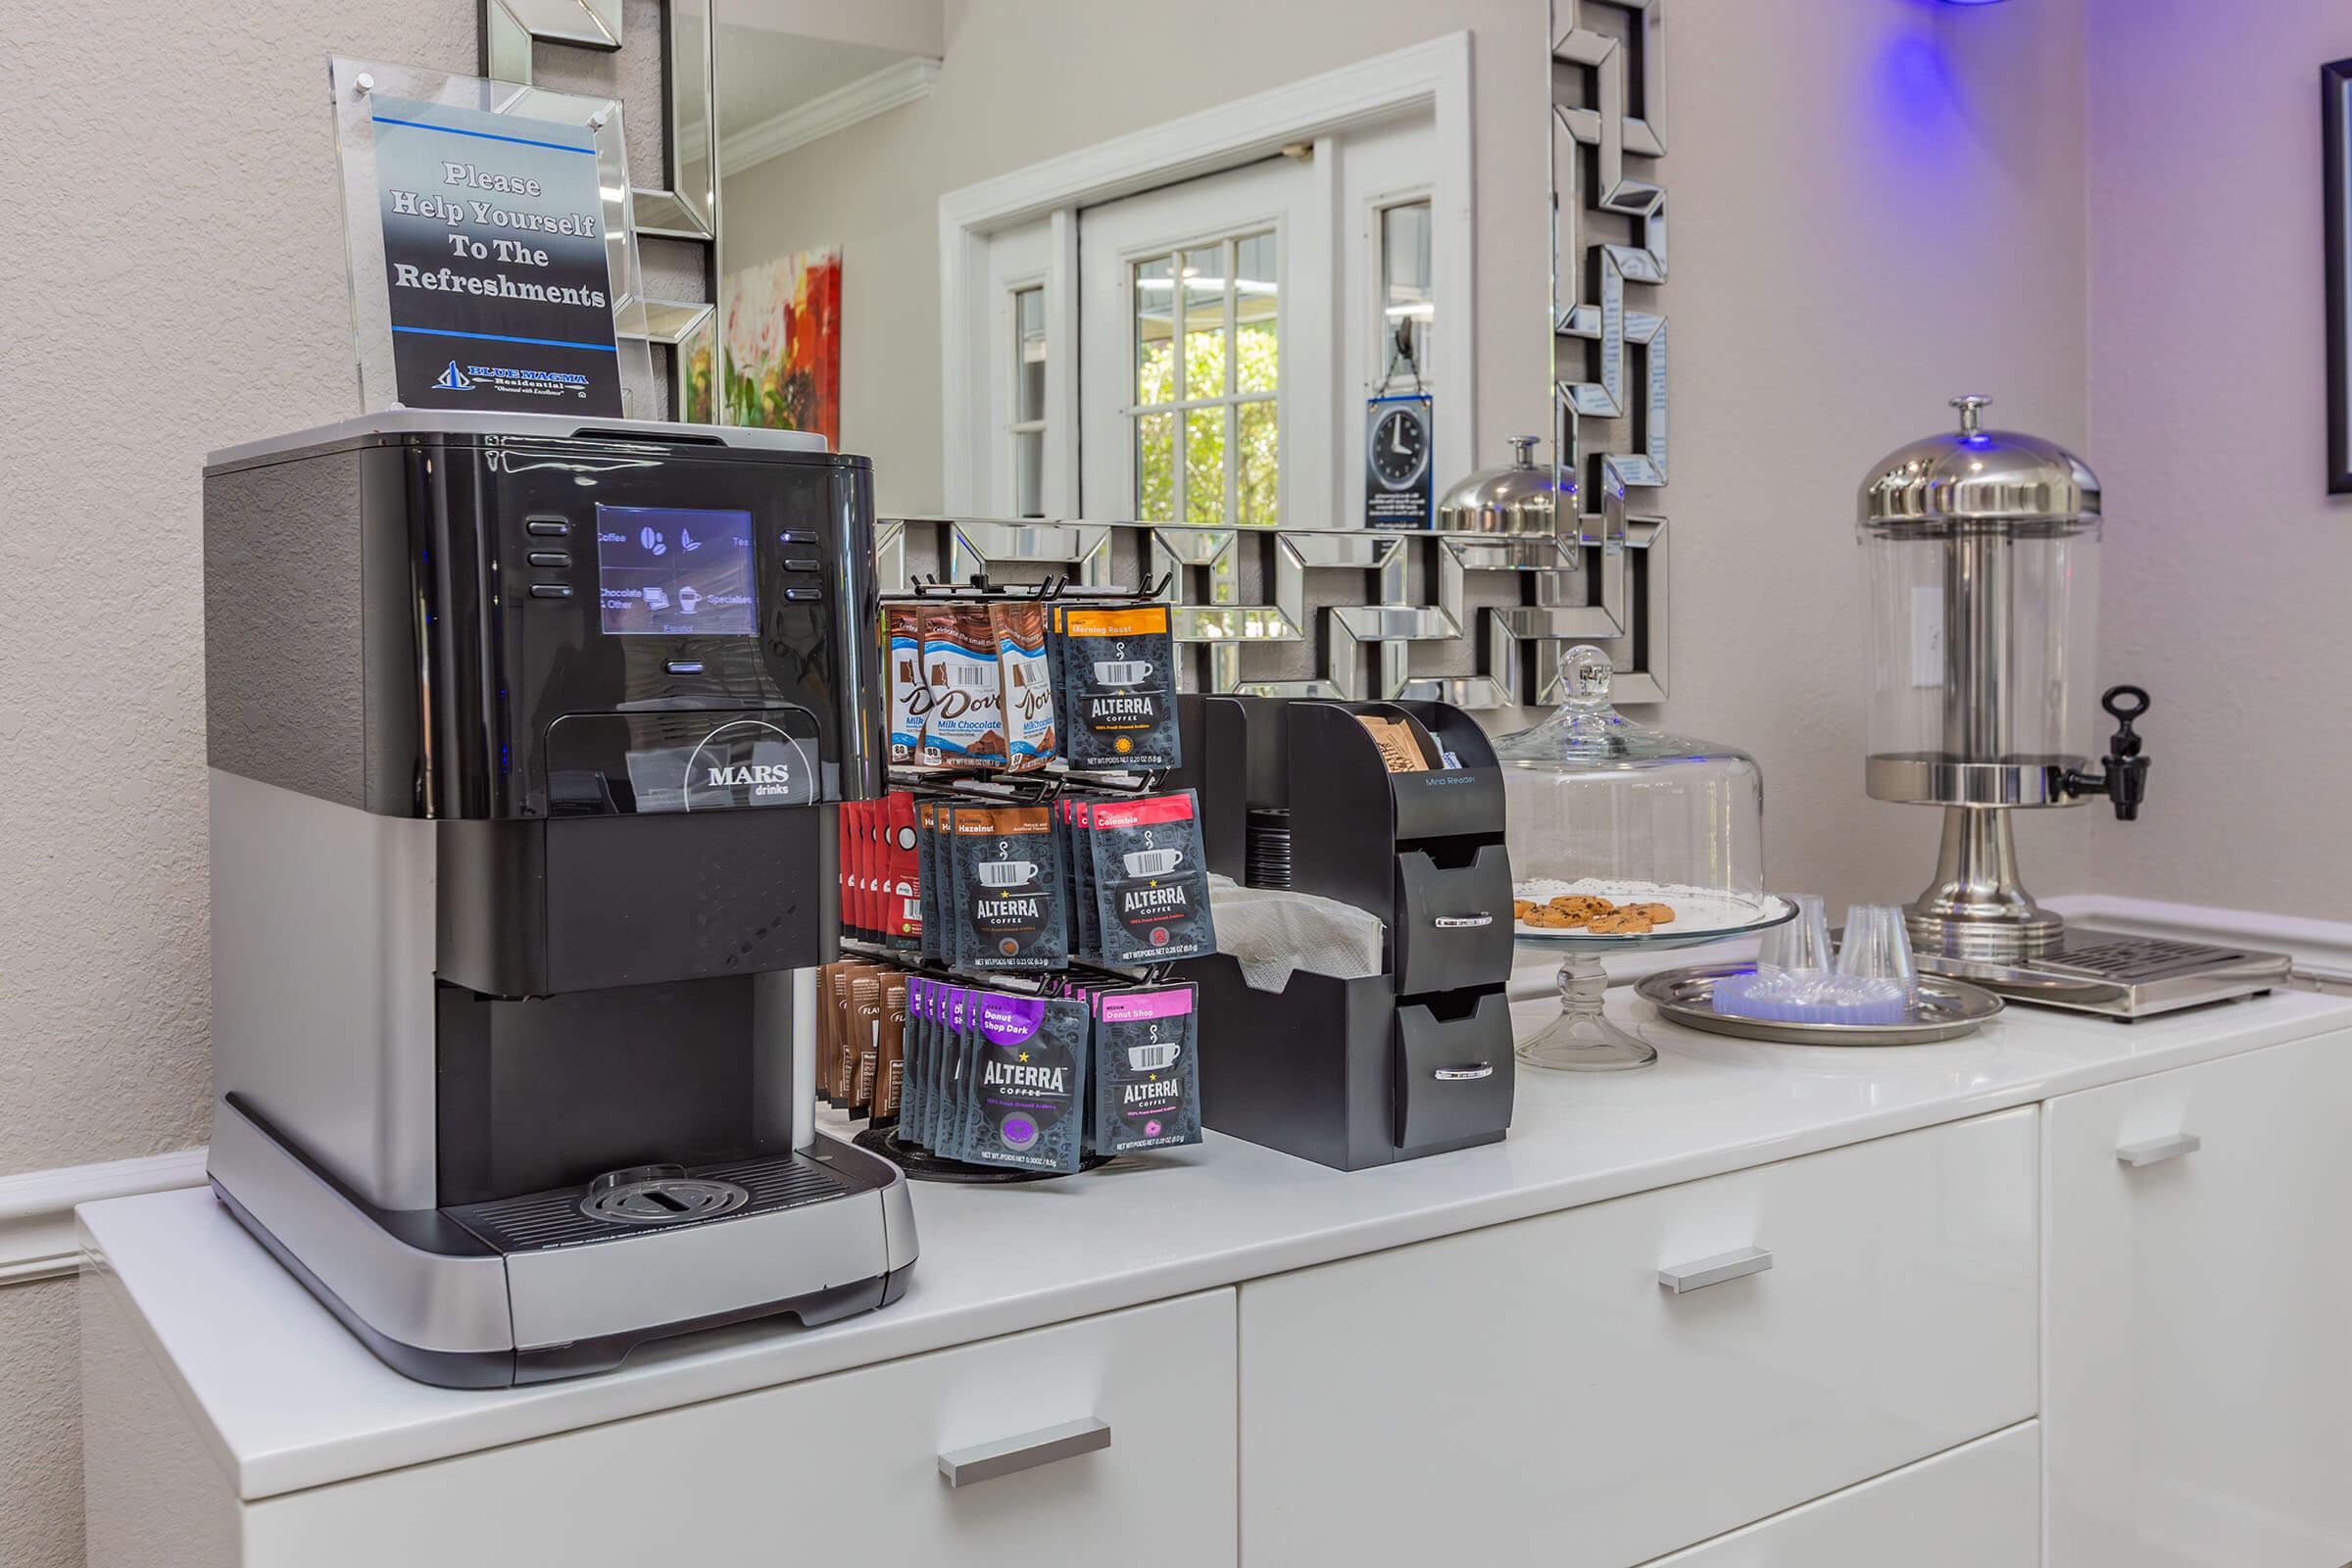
<point x="747" y="762"/>
<point x="761" y="778"/>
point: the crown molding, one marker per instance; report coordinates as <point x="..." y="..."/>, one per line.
<point x="886" y="90"/>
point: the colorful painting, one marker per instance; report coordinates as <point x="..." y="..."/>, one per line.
<point x="780" y="347"/>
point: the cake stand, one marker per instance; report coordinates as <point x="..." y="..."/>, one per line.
<point x="1581" y="1039"/>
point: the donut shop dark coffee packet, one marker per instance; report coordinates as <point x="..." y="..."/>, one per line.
<point x="1150" y="881"/>
<point x="1008" y="909"/>
<point x="1025" y="1081"/>
<point x="1147" y="1073"/>
<point x="1119" y="679"/>
<point x="1028" y="678"/>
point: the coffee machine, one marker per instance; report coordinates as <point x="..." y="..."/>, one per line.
<point x="526" y="735"/>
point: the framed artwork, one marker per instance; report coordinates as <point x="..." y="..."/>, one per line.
<point x="2335" y="87"/>
<point x="780" y="345"/>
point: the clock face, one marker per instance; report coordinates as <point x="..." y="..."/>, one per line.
<point x="1399" y="448"/>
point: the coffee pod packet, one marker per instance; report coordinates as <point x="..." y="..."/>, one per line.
<point x="911" y="1059"/>
<point x="1028" y="695"/>
<point x="910" y="692"/>
<point x="1025" y="1083"/>
<point x="1147" y="1072"/>
<point x="1009" y="911"/>
<point x="890" y="1068"/>
<point x="1085" y="939"/>
<point x="903" y="927"/>
<point x="1151" y="882"/>
<point x="865" y="1024"/>
<point x="1118" y="672"/>
<point x="965" y="727"/>
<point x="931" y="940"/>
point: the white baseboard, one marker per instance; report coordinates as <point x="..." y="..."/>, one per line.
<point x="36" y="1209"/>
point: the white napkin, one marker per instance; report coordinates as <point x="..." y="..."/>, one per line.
<point x="1270" y="933"/>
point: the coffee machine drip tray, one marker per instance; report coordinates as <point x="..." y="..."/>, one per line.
<point x="627" y="1203"/>
<point x="2121" y="976"/>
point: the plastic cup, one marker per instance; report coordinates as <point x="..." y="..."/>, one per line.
<point x="1800" y="946"/>
<point x="1877" y="947"/>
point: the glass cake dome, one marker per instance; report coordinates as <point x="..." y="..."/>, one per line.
<point x="1623" y="835"/>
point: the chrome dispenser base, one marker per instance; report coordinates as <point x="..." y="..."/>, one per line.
<point x="1976" y="909"/>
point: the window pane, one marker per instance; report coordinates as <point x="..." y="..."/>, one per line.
<point x="1258" y="453"/>
<point x="1406" y="299"/>
<point x="1029" y="473"/>
<point x="1156" y="333"/>
<point x="1254" y="304"/>
<point x="1155" y="468"/>
<point x="1205" y="466"/>
<point x="1205" y="323"/>
<point x="1029" y="326"/>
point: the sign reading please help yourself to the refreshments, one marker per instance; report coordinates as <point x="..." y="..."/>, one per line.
<point x="494" y="251"/>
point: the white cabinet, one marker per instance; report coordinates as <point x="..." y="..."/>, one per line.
<point x="838" y="1469"/>
<point x="2199" y="1356"/>
<point x="1534" y="1392"/>
<point x="1977" y="1506"/>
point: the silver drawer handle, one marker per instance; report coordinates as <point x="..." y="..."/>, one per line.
<point x="1461" y="922"/>
<point x="1463" y="1076"/>
<point x="2156" y="1150"/>
<point x="1715" y="1270"/>
<point x="967" y="1467"/>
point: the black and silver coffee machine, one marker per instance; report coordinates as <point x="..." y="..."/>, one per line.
<point x="526" y="740"/>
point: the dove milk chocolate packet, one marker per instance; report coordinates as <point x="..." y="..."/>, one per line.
<point x="1009" y="870"/>
<point x="1118" y="665"/>
<point x="910" y="692"/>
<point x="1026" y="1081"/>
<point x="1151" y="886"/>
<point x="1147" y="1072"/>
<point x="965" y="725"/>
<point x="1028" y="695"/>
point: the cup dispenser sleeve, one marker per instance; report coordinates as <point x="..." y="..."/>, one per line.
<point x="1417" y="1060"/>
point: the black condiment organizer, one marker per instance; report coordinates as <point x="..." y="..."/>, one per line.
<point x="1417" y="1060"/>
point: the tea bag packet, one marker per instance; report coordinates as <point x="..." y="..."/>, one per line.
<point x="1150" y="883"/>
<point x="1028" y="693"/>
<point x="1118" y="668"/>
<point x="965" y="727"/>
<point x="1146" y="1078"/>
<point x="866" y="1025"/>
<point x="1009" y="876"/>
<point x="1026" y="1081"/>
<point x="910" y="692"/>
<point x="1399" y="749"/>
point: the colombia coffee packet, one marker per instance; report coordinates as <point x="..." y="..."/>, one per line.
<point x="1147" y="1072"/>
<point x="1118" y="669"/>
<point x="1026" y="1081"/>
<point x="1151" y="880"/>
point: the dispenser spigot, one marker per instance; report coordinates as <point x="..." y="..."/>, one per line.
<point x="2125" y="778"/>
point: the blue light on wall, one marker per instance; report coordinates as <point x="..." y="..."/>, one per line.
<point x="1971" y="2"/>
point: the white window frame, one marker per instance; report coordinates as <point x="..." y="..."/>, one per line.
<point x="1014" y="425"/>
<point x="1435" y="74"/>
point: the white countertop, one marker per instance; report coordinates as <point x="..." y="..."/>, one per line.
<point x="290" y="1399"/>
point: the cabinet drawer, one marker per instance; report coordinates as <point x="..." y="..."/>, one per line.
<point x="840" y="1469"/>
<point x="1532" y="1389"/>
<point x="1454" y="1073"/>
<point x="1454" y="922"/>
<point x="1977" y="1506"/>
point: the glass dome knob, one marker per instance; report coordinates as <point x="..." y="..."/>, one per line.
<point x="1588" y="674"/>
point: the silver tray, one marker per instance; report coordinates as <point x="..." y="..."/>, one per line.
<point x="1947" y="1010"/>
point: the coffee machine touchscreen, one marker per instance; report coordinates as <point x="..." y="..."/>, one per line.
<point x="666" y="572"/>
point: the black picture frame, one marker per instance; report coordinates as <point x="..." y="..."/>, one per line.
<point x="2335" y="119"/>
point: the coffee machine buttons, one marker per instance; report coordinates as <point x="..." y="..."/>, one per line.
<point x="794" y="536"/>
<point x="804" y="595"/>
<point x="550" y="590"/>
<point x="803" y="564"/>
<point x="546" y="528"/>
<point x="551" y="557"/>
<point x="684" y="666"/>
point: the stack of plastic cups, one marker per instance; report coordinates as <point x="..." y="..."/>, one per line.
<point x="1873" y="982"/>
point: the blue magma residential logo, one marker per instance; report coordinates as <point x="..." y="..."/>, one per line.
<point x="453" y="379"/>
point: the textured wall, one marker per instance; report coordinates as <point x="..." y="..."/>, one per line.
<point x="40" y="1427"/>
<point x="2226" y="562"/>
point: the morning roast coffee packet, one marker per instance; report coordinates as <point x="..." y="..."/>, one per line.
<point x="1007" y="911"/>
<point x="1025" y="1082"/>
<point x="1118" y="671"/>
<point x="965" y="727"/>
<point x="1150" y="883"/>
<point x="1028" y="696"/>
<point x="1147" y="1073"/>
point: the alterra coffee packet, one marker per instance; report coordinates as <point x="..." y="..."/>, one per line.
<point x="1150" y="878"/>
<point x="1147" y="1072"/>
<point x="1007" y="881"/>
<point x="964" y="725"/>
<point x="1028" y="680"/>
<point x="1119" y="683"/>
<point x="1024" y="1081"/>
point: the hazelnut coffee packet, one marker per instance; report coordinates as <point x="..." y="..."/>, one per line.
<point x="1025" y="1087"/>
<point x="1147" y="1075"/>
<point x="1007" y="910"/>
<point x="1150" y="878"/>
<point x="1119" y="684"/>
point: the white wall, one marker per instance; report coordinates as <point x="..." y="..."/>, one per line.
<point x="2228" y="566"/>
